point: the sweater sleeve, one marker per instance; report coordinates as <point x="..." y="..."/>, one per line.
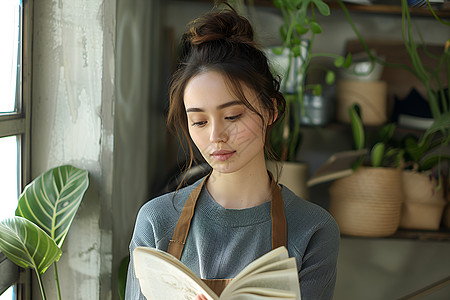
<point x="143" y="236"/>
<point x="317" y="274"/>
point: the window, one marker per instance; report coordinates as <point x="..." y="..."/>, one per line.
<point x="15" y="54"/>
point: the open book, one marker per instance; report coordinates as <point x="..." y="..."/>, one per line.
<point x="162" y="276"/>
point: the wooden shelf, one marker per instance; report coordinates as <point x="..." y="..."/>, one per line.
<point x="422" y="235"/>
<point x="373" y="8"/>
<point x="394" y="9"/>
<point x="442" y="235"/>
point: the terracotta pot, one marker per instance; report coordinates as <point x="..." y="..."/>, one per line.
<point x="367" y="203"/>
<point x="294" y="175"/>
<point x="423" y="203"/>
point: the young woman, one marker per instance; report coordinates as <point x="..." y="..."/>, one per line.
<point x="224" y="98"/>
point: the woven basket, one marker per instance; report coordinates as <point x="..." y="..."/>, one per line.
<point x="368" y="203"/>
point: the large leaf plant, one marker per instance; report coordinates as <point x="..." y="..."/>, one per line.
<point x="46" y="209"/>
<point x="299" y="20"/>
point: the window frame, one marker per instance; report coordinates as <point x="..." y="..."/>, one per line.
<point x="19" y="124"/>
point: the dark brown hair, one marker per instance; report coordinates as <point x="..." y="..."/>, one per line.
<point x="223" y="41"/>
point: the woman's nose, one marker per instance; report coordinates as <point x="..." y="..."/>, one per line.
<point x="219" y="133"/>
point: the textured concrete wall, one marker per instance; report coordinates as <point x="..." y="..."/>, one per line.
<point x="98" y="104"/>
<point x="72" y="106"/>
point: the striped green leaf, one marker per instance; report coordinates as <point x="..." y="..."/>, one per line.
<point x="27" y="245"/>
<point x="52" y="200"/>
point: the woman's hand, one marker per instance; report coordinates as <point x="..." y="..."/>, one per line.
<point x="200" y="297"/>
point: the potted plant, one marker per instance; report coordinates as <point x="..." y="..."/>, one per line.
<point x="44" y="214"/>
<point x="417" y="151"/>
<point x="368" y="202"/>
<point x="424" y="195"/>
<point x="299" y="20"/>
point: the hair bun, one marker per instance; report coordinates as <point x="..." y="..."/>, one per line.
<point x="225" y="26"/>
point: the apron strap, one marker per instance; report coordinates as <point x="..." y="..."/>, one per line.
<point x="176" y="244"/>
<point x="279" y="226"/>
<point x="217" y="285"/>
<point x="279" y="231"/>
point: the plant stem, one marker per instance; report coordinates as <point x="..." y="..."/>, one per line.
<point x="363" y="43"/>
<point x="41" y="285"/>
<point x="55" y="268"/>
<point x="410" y="44"/>
<point x="435" y="16"/>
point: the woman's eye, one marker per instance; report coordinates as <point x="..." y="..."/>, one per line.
<point x="234" y="118"/>
<point x="199" y="124"/>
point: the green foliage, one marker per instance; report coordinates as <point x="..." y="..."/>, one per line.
<point x="419" y="153"/>
<point x="377" y="154"/>
<point x="27" y="245"/>
<point x="438" y="92"/>
<point x="122" y="276"/>
<point x="359" y="137"/>
<point x="46" y="209"/>
<point x="382" y="152"/>
<point x="52" y="200"/>
<point x="299" y="18"/>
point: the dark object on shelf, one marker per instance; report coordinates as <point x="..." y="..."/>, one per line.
<point x="414" y="104"/>
<point x="412" y="111"/>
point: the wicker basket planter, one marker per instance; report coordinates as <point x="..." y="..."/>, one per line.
<point x="423" y="205"/>
<point x="368" y="203"/>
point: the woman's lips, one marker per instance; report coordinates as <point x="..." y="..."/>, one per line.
<point x="222" y="155"/>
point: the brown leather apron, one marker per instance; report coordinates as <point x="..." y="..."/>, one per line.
<point x="279" y="233"/>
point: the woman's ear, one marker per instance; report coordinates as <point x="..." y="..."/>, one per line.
<point x="275" y="111"/>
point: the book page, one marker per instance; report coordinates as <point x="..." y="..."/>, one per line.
<point x="255" y="297"/>
<point x="272" y="275"/>
<point x="267" y="293"/>
<point x="283" y="284"/>
<point x="162" y="276"/>
<point x="275" y="255"/>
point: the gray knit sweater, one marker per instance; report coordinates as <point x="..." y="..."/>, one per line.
<point x="221" y="242"/>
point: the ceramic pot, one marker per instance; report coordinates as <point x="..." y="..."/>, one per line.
<point x="423" y="204"/>
<point x="293" y="175"/>
<point x="371" y="96"/>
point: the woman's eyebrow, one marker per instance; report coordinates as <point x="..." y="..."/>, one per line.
<point x="219" y="107"/>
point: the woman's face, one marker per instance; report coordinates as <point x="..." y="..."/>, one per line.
<point x="228" y="134"/>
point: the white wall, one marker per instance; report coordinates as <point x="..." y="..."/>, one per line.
<point x="72" y="110"/>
